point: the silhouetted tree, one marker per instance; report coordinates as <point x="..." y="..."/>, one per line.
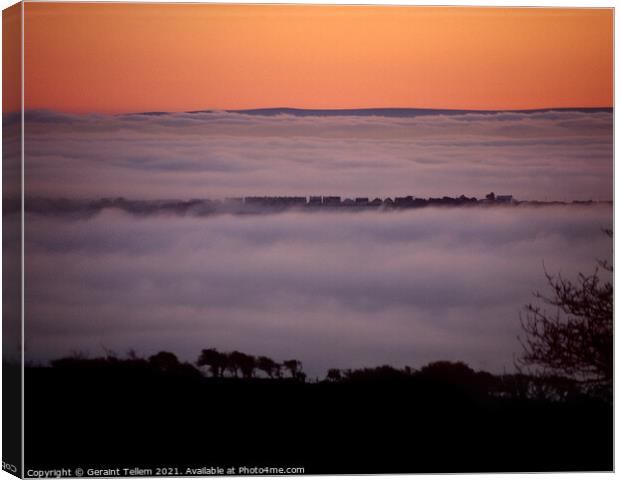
<point x="334" y="374"/>
<point x="168" y="363"/>
<point x="577" y="339"/>
<point x="456" y="378"/>
<point x="294" y="367"/>
<point x="267" y="365"/>
<point x="241" y="361"/>
<point x="216" y="361"/>
<point x="165" y="361"/>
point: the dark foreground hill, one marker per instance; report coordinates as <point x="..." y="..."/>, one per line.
<point x="109" y="413"/>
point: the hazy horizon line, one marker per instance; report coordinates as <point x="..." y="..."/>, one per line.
<point x="322" y="109"/>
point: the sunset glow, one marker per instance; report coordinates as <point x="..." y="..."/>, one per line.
<point x="123" y="57"/>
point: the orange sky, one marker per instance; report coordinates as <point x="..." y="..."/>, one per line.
<point x="11" y="58"/>
<point x="124" y="57"/>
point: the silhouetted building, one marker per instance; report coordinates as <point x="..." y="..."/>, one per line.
<point x="331" y="201"/>
<point x="403" y="201"/>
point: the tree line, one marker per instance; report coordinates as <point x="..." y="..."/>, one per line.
<point x="219" y="363"/>
<point x="242" y="368"/>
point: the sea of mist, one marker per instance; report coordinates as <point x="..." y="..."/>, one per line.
<point x="333" y="289"/>
<point x="546" y="155"/>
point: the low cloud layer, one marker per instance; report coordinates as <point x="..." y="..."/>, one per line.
<point x="332" y="289"/>
<point x="554" y="155"/>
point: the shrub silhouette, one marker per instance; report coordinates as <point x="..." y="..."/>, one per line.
<point x="267" y="365"/>
<point x="437" y="379"/>
<point x="167" y="362"/>
<point x="577" y="339"/>
<point x="295" y="369"/>
<point x="441" y="379"/>
<point x="216" y="361"/>
<point x="334" y="375"/>
<point x="239" y="361"/>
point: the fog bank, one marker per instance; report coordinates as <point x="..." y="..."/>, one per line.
<point x="332" y="289"/>
<point x="550" y="155"/>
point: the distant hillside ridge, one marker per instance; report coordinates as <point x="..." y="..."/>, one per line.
<point x="379" y="112"/>
<point x="397" y="112"/>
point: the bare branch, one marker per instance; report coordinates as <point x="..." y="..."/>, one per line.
<point x="576" y="337"/>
